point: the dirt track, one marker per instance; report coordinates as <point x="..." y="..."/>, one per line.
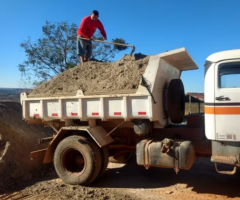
<point x="134" y="182"/>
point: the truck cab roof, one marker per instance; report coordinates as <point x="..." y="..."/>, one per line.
<point x="224" y="55"/>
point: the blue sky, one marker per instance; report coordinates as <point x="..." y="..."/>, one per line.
<point x="153" y="26"/>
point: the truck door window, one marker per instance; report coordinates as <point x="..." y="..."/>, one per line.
<point x="229" y="75"/>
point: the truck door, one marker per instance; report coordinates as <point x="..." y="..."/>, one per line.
<point x="227" y="100"/>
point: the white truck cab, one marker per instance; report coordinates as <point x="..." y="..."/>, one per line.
<point x="222" y="107"/>
<point x="222" y="96"/>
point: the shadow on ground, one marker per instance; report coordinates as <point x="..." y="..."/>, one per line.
<point x="201" y="178"/>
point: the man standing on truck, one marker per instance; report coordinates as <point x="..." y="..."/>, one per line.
<point x="86" y="30"/>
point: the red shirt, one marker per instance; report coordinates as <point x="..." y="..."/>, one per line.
<point x="88" y="27"/>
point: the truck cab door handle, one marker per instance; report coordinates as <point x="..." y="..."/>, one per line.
<point x="222" y="98"/>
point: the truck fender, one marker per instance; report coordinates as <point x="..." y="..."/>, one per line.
<point x="97" y="133"/>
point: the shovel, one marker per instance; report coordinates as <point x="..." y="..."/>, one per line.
<point x="133" y="47"/>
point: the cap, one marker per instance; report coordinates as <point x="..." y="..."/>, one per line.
<point x="95" y="12"/>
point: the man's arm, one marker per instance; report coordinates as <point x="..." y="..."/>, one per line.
<point x="102" y="30"/>
<point x="83" y="26"/>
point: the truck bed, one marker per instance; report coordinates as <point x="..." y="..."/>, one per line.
<point x="147" y="102"/>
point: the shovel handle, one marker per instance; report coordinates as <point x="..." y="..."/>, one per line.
<point x="133" y="47"/>
<point x="114" y="43"/>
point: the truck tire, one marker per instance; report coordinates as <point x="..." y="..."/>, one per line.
<point x="77" y="160"/>
<point x="123" y="158"/>
<point x="105" y="160"/>
<point x="176" y="101"/>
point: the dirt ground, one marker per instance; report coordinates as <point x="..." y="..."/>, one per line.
<point x="93" y="76"/>
<point x="131" y="181"/>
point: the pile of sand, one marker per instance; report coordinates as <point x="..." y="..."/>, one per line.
<point x="17" y="140"/>
<point x="94" y="76"/>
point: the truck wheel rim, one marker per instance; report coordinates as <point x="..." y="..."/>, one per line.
<point x="74" y="162"/>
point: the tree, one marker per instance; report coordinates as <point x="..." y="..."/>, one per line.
<point x="55" y="52"/>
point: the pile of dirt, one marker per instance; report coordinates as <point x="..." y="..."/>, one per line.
<point x="17" y="140"/>
<point x="93" y="76"/>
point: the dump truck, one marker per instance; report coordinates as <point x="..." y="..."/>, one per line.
<point x="90" y="130"/>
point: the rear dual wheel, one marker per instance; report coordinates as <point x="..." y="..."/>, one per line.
<point x="78" y="160"/>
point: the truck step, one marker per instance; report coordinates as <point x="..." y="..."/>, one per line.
<point x="230" y="160"/>
<point x="224" y="159"/>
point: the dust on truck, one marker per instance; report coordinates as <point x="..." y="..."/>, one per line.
<point x="90" y="130"/>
